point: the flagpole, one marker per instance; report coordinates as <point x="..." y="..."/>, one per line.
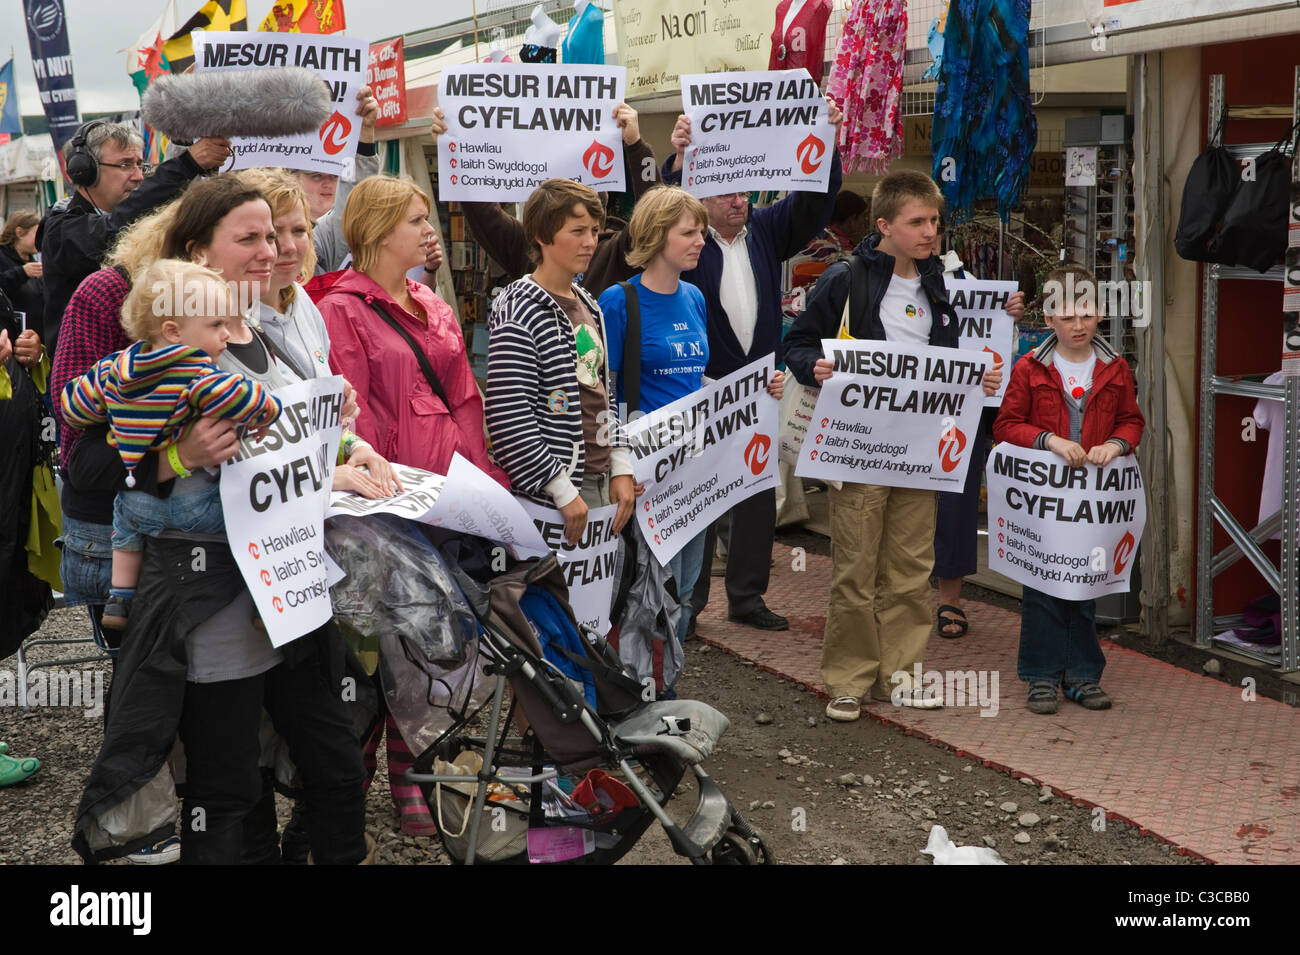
<point x="18" y="105"/>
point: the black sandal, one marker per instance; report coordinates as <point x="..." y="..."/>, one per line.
<point x="951" y="621"/>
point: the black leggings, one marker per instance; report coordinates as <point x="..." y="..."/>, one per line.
<point x="219" y="726"/>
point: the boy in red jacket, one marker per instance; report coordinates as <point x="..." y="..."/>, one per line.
<point x="1069" y="394"/>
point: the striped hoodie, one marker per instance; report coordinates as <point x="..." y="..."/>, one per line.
<point x="533" y="409"/>
<point x="149" y="396"/>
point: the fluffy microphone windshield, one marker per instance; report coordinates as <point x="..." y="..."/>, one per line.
<point x="275" y="102"/>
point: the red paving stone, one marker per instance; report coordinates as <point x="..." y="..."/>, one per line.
<point x="1180" y="756"/>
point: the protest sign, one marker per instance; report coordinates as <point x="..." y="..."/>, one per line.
<point x="658" y="39"/>
<point x="589" y="567"/>
<point x="1069" y="532"/>
<point x="338" y="60"/>
<point x="466" y="500"/>
<point x="703" y="454"/>
<point x="983" y="323"/>
<point x="47" y="38"/>
<point x="511" y="126"/>
<point x="386" y="77"/>
<point x="757" y="130"/>
<point x="896" y="415"/>
<point x="274" y="494"/>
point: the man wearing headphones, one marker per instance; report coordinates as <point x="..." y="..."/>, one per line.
<point x="105" y="163"/>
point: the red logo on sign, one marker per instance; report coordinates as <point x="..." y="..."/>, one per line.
<point x="951" y="444"/>
<point x="1000" y="552"/>
<point x="252" y="549"/>
<point x="821" y="438"/>
<point x="647" y="506"/>
<point x="452" y="162"/>
<point x="266" y="577"/>
<point x="810" y="154"/>
<point x="825" y="422"/>
<point x="756" y="453"/>
<point x="1002" y="538"/>
<point x="334" y="133"/>
<point x="1002" y="522"/>
<point x="997" y="359"/>
<point x="813" y="455"/>
<point x="451" y="146"/>
<point x="1123" y="551"/>
<point x="278" y="604"/>
<point x="658" y="541"/>
<point x="651" y="522"/>
<point x="455" y="179"/>
<point x="599" y="160"/>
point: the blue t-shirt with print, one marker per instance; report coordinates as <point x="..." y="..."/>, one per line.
<point x="674" y="337"/>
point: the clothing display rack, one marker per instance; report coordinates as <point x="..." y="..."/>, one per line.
<point x="1246" y="543"/>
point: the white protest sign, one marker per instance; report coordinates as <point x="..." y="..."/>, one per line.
<point x="338" y="60"/>
<point x="588" y="568"/>
<point x="466" y="500"/>
<point x="1069" y="532"/>
<point x="983" y="323"/>
<point x="756" y="130"/>
<point x="472" y="503"/>
<point x="896" y="415"/>
<point x="511" y="126"/>
<point x="274" y="495"/>
<point x="420" y="490"/>
<point x="703" y="454"/>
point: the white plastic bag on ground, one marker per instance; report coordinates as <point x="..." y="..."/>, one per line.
<point x="941" y="848"/>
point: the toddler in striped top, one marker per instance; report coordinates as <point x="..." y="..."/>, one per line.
<point x="151" y="393"/>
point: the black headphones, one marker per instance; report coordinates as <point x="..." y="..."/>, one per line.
<point x="82" y="168"/>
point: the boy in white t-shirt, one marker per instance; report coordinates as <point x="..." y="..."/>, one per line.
<point x="882" y="538"/>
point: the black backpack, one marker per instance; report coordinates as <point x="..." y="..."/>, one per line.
<point x="1254" y="232"/>
<point x="1211" y="184"/>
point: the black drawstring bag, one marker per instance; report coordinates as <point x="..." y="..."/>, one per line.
<point x="1211" y="184"/>
<point x="1254" y="232"/>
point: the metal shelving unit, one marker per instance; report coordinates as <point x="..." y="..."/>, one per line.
<point x="1245" y="543"/>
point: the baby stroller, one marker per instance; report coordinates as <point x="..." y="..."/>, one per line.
<point x="593" y="761"/>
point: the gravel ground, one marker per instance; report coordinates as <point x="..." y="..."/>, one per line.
<point x="819" y="792"/>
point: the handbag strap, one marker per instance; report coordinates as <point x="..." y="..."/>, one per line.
<point x="429" y="374"/>
<point x="632" y="356"/>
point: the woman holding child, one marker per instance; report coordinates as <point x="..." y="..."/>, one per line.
<point x="195" y="662"/>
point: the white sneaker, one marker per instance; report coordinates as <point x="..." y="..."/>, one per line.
<point x="162" y="853"/>
<point x="844" y="709"/>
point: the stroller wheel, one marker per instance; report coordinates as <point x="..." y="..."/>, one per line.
<point x="734" y="849"/>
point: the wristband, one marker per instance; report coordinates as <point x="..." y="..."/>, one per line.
<point x="174" y="459"/>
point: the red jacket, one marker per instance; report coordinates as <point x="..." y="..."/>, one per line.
<point x="400" y="415"/>
<point x="1034" y="403"/>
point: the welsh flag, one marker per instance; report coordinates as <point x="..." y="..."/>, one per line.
<point x="145" y="60"/>
<point x="304" y="16"/>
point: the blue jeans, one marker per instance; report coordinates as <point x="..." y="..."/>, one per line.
<point x="137" y="515"/>
<point x="1058" y="640"/>
<point x="87" y="562"/>
<point x="685" y="567"/>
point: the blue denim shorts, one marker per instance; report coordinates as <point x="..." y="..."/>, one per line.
<point x="87" y="562"/>
<point x="137" y="515"/>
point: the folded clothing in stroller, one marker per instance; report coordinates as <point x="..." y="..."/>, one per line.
<point x="581" y="725"/>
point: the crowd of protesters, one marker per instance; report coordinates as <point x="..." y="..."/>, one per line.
<point x="149" y="401"/>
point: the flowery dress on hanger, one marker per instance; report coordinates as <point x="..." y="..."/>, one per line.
<point x="867" y="83"/>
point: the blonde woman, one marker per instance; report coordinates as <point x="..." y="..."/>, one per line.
<point x="667" y="233"/>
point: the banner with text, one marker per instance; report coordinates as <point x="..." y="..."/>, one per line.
<point x="759" y="130"/>
<point x="502" y="125"/>
<point x="466" y="500"/>
<point x="658" y="39"/>
<point x="386" y="77"/>
<point x="274" y="495"/>
<point x="47" y="38"/>
<point x="984" y="325"/>
<point x="588" y="568"/>
<point x="338" y="60"/>
<point x="703" y="454"/>
<point x="1065" y="531"/>
<point x="896" y="415"/>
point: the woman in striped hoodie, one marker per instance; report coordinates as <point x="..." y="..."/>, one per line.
<point x="548" y="384"/>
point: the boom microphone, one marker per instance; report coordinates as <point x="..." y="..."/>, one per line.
<point x="275" y="102"/>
